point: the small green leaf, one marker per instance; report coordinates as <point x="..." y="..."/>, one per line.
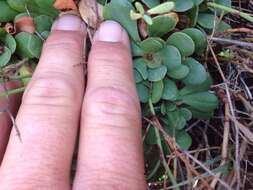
<point x="139" y="7"/>
<point x="222" y="26"/>
<point x="197" y="74"/>
<point x="171" y="57"/>
<point x="171" y="107"/>
<point x="206" y="20"/>
<point x="134" y="15"/>
<point x="198" y="37"/>
<point x="200" y="114"/>
<point x="148" y="19"/>
<point x="170" y="91"/>
<point x="176" y="120"/>
<point x="157" y="91"/>
<point x="186" y="113"/>
<point x="137" y="76"/>
<point x="43" y="23"/>
<point x="152" y="45"/>
<point x="157" y="74"/>
<point x="143" y="92"/>
<point x="28" y="45"/>
<point x="183" y="5"/>
<point x="161" y="25"/>
<point x="162" y="8"/>
<point x="141" y="67"/>
<point x="6" y="12"/>
<point x="182" y="42"/>
<point x="5" y="57"/>
<point x="119" y="10"/>
<point x="9" y="41"/>
<point x="190" y="89"/>
<point x="179" y="72"/>
<point x="183" y="139"/>
<point x="202" y="101"/>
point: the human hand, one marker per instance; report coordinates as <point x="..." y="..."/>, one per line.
<point x="55" y="104"/>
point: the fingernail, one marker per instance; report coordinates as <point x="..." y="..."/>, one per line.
<point x="109" y="31"/>
<point x="68" y="23"/>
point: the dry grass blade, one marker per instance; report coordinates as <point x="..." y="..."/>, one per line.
<point x="91" y="12"/>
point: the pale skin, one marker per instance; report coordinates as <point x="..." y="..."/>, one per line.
<point x="56" y="105"/>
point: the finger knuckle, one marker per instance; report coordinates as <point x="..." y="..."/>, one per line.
<point x="116" y="52"/>
<point x="64" y="42"/>
<point x="51" y="90"/>
<point x="112" y="101"/>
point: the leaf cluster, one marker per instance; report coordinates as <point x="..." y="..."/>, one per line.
<point x="171" y="82"/>
<point x="24" y="44"/>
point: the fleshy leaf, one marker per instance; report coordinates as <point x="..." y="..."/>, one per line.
<point x="182" y="42"/>
<point x="157" y="74"/>
<point x="157" y="91"/>
<point x="170" y="91"/>
<point x="202" y="101"/>
<point x="197" y="74"/>
<point x="28" y="45"/>
<point x="143" y="92"/>
<point x="6" y="12"/>
<point x="179" y="72"/>
<point x="119" y="10"/>
<point x="171" y="57"/>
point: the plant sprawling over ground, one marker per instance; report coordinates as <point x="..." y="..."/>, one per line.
<point x="171" y="44"/>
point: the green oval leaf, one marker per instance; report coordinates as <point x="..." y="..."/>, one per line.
<point x="183" y="139"/>
<point x="6" y="12"/>
<point x="9" y="41"/>
<point x="5" y="57"/>
<point x="190" y="89"/>
<point x="171" y="57"/>
<point x="176" y="120"/>
<point x="28" y="45"/>
<point x="202" y="101"/>
<point x="170" y="91"/>
<point x="43" y="23"/>
<point x="157" y="74"/>
<point x="198" y="37"/>
<point x="157" y="91"/>
<point x="179" y="73"/>
<point x="152" y="45"/>
<point x="143" y="92"/>
<point x="197" y="74"/>
<point x="186" y="113"/>
<point x="206" y="20"/>
<point x="161" y="25"/>
<point x="137" y="76"/>
<point x="182" y="42"/>
<point x="141" y="67"/>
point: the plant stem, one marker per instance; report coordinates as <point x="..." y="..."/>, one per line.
<point x="246" y="16"/>
<point x="11" y="92"/>
<point x="159" y="144"/>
